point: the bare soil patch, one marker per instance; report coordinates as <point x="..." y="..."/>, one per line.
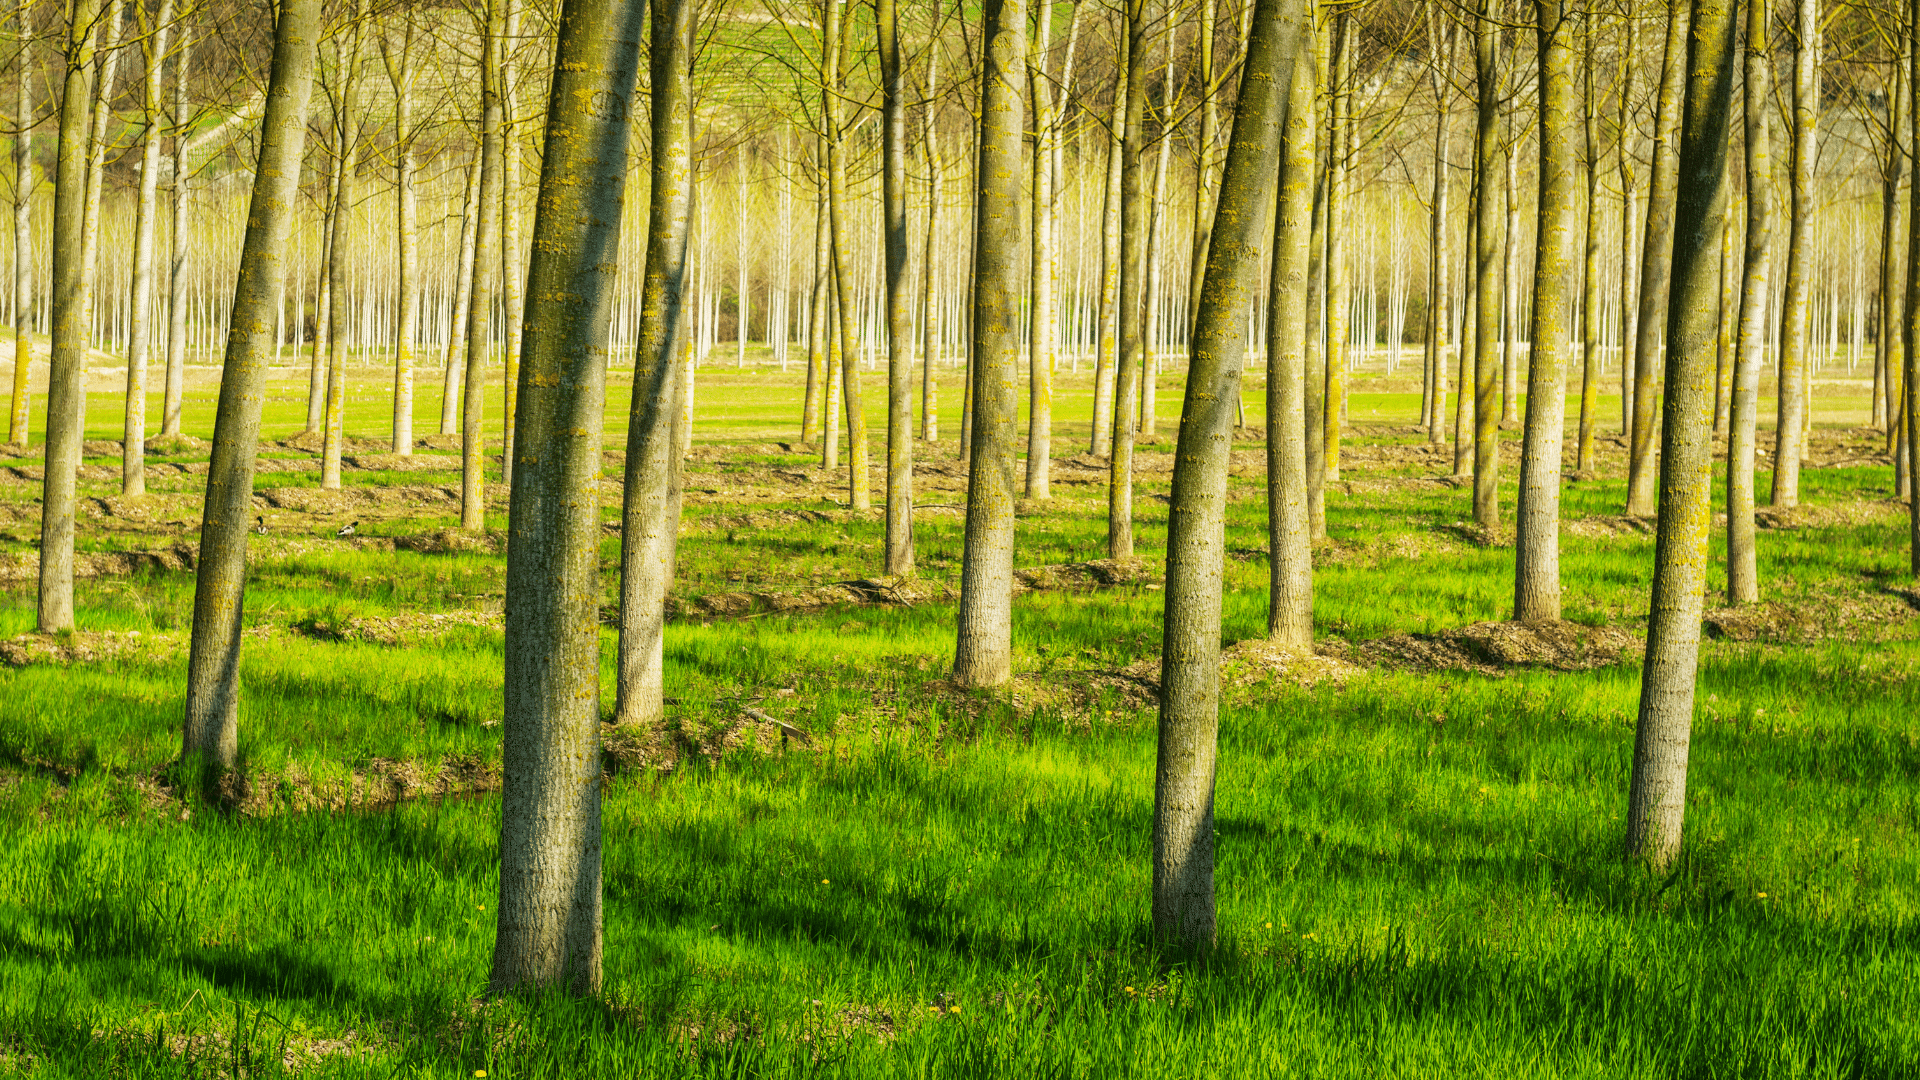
<point x="1493" y="648"/>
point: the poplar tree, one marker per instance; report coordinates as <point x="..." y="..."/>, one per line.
<point x="1131" y="263"/>
<point x="133" y="438"/>
<point x="899" y="535"/>
<point x="1289" y="530"/>
<point x="486" y="260"/>
<point x="1790" y="402"/>
<point x="1486" y="272"/>
<point x="22" y="232"/>
<point x="1743" y="577"/>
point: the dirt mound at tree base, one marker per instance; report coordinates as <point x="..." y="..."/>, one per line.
<point x="1494" y="647"/>
<point x="88" y="647"/>
<point x="24" y="567"/>
<point x="1828" y="618"/>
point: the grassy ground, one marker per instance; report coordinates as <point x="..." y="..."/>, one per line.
<point x="1418" y="865"/>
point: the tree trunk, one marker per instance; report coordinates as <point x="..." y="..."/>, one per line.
<point x="341" y="313"/>
<point x="1536" y="593"/>
<point x="983" y="655"/>
<point x="463" y="297"/>
<point x="1183" y="820"/>
<point x="17" y="412"/>
<point x="1790" y="396"/>
<point x="323" y="297"/>
<point x="1590" y="264"/>
<point x="1209" y="133"/>
<point x="1756" y="289"/>
<point x="837" y="49"/>
<point x="1148" y="369"/>
<point x="1656" y="263"/>
<point x="929" y="291"/>
<point x="512" y="272"/>
<point x="1289" y="532"/>
<point x="1041" y="269"/>
<point x="899" y="539"/>
<point x="1911" y="397"/>
<point x="486" y="233"/>
<point x="1658" y="796"/>
<point x="400" y="73"/>
<point x="213" y="673"/>
<point x="650" y="523"/>
<point x="1106" y="358"/>
<point x="1339" y="146"/>
<point x="1439" y="298"/>
<point x="133" y="441"/>
<point x="1629" y="191"/>
<point x="1486" y="272"/>
<point x="816" y="323"/>
<point x="177" y="301"/>
<point x="549" y="929"/>
<point x="1127" y="318"/>
<point x="72" y="322"/>
<point x="1887" y="359"/>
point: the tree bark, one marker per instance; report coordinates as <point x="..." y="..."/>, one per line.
<point x="1439" y="271"/>
<point x="1656" y="263"/>
<point x="1486" y="272"/>
<point x="1790" y="394"/>
<point x="810" y="427"/>
<point x="1629" y="192"/>
<point x="486" y="234"/>
<point x="400" y="73"/>
<point x="71" y="323"/>
<point x="1339" y="147"/>
<point x="213" y="669"/>
<point x="899" y="537"/>
<point x="462" y="297"/>
<point x="513" y="293"/>
<point x="177" y="271"/>
<point x="1127" y="317"/>
<point x="1590" y="265"/>
<point x="1911" y="342"/>
<point x="323" y="297"/>
<point x="340" y="333"/>
<point x="1537" y="518"/>
<point x="18" y="412"/>
<point x="650" y="523"/>
<point x="1756" y="289"/>
<point x="1289" y="532"/>
<point x="133" y="439"/>
<point x="837" y="51"/>
<point x="983" y="655"/>
<point x="1106" y="358"/>
<point x="1041" y="268"/>
<point x="1183" y="890"/>
<point x="1657" y="799"/>
<point x="929" y="280"/>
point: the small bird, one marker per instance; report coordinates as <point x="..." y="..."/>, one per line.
<point x="259" y="525"/>
<point x="347" y="530"/>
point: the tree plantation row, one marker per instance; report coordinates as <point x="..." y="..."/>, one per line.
<point x="994" y="192"/>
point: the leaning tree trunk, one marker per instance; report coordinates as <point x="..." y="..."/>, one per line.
<point x="1486" y="273"/>
<point x="400" y="72"/>
<point x="340" y="333"/>
<point x="1106" y="357"/>
<point x="22" y="236"/>
<point x="213" y="666"/>
<point x="548" y="934"/>
<point x="1656" y="262"/>
<point x="1133" y="230"/>
<point x="983" y="653"/>
<point x="72" y="323"/>
<point x="1743" y="578"/>
<point x="1290" y="532"/>
<point x="1790" y="392"/>
<point x="649" y="530"/>
<point x="1536" y="578"/>
<point x="899" y="538"/>
<point x="1657" y="799"/>
<point x="486" y="233"/>
<point x="177" y="268"/>
<point x="133" y="444"/>
<point x="462" y="297"/>
<point x="1183" y="819"/>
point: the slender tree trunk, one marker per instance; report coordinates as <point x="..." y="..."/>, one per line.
<point x="341" y="313"/>
<point x="1339" y="146"/>
<point x="1536" y="593"/>
<point x="133" y="444"/>
<point x="899" y="539"/>
<point x="649" y="510"/>
<point x="838" y="51"/>
<point x="1289" y="532"/>
<point x="929" y="291"/>
<point x="1439" y="272"/>
<point x="1183" y="820"/>
<point x="1888" y="321"/>
<point x="72" y="321"/>
<point x="810" y="432"/>
<point x="400" y="73"/>
<point x="1148" y="370"/>
<point x="513" y="297"/>
<point x="1209" y="133"/>
<point x="1790" y="396"/>
<point x="1910" y="409"/>
<point x="1510" y="285"/>
<point x="486" y="234"/>
<point x="211" y="729"/>
<point x="1486" y="272"/>
<point x="1657" y="798"/>
<point x="177" y="302"/>
<point x="983" y="655"/>
<point x="1590" y="264"/>
<point x="1106" y="358"/>
<point x="549" y="931"/>
<point x="462" y="298"/>
<point x="1040" y="269"/>
<point x="1756" y="288"/>
<point x="323" y="299"/>
<point x="17" y="412"/>
<point x="1629" y="231"/>
<point x="1133" y="235"/>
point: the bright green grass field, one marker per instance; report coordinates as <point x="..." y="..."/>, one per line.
<point x="1419" y="874"/>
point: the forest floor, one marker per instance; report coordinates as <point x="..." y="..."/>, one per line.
<point x="1419" y="825"/>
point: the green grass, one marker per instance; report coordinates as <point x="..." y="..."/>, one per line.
<point x="1419" y="874"/>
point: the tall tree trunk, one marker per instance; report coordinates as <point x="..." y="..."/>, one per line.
<point x="1790" y="395"/>
<point x="1629" y="231"/>
<point x="549" y="930"/>
<point x="177" y="301"/>
<point x="1723" y="344"/>
<point x="1339" y="146"/>
<point x="929" y="290"/>
<point x="1154" y="257"/>
<point x="1510" y="284"/>
<point x="1439" y="271"/>
<point x="837" y="50"/>
<point x="1888" y="321"/>
<point x="1656" y="263"/>
<point x="649" y="507"/>
<point x="1106" y="357"/>
<point x="983" y="654"/>
<point x="341" y="313"/>
<point x="462" y="298"/>
<point x="1208" y="135"/>
<point x="1040" y="268"/>
<point x="1486" y="271"/>
<point x="486" y="261"/>
<point x="323" y="297"/>
<point x="71" y="323"/>
<point x="899" y="539"/>
<point x="1536" y="593"/>
<point x="211" y="730"/>
<point x="1590" y="264"/>
<point x="1133" y="230"/>
<point x="1756" y="291"/>
<point x="810" y="413"/>
<point x="400" y="73"/>
<point x="1289" y="532"/>
<point x="17" y="411"/>
<point x="1911" y="351"/>
<point x="513" y="297"/>
<point x="1657" y="798"/>
<point x="133" y="443"/>
<point x="1183" y="820"/>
